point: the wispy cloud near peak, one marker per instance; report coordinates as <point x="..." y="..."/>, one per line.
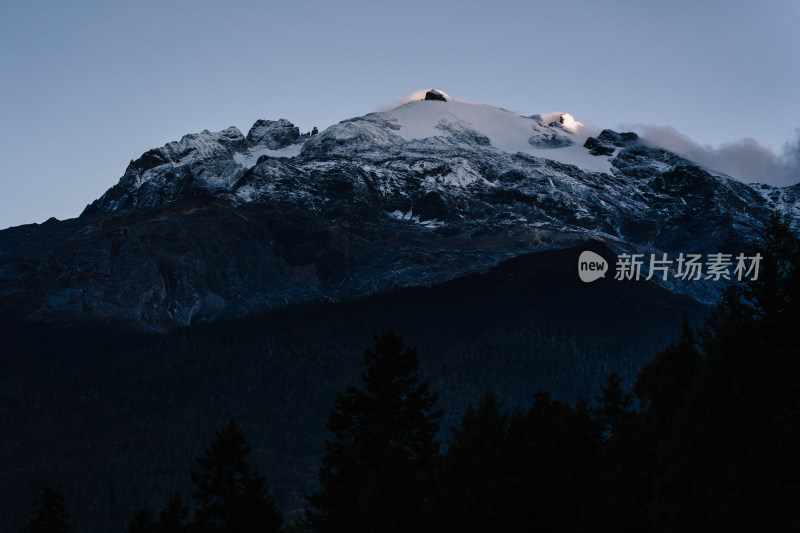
<point x="746" y="159"/>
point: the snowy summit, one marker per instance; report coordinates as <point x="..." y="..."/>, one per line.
<point x="435" y="188"/>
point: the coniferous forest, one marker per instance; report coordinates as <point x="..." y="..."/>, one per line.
<point x="701" y="437"/>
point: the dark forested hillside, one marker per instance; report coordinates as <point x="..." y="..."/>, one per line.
<point x="113" y="419"/>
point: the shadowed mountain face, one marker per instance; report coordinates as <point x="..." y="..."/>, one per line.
<point x="221" y="224"/>
<point x="116" y="417"/>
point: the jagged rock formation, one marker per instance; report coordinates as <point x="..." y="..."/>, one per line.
<point x="433" y="94"/>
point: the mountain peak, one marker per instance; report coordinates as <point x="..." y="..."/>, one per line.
<point x="274" y="134"/>
<point x="435" y="94"/>
<point x="218" y="224"/>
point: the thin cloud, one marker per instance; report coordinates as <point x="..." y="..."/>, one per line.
<point x="746" y="159"/>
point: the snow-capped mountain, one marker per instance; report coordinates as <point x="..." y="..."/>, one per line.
<point x="222" y="223"/>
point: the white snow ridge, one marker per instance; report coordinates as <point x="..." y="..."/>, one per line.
<point x="505" y="130"/>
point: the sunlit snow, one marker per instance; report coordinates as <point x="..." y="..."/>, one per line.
<point x="506" y="130"/>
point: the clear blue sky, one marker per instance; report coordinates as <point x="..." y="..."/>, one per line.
<point x="88" y="86"/>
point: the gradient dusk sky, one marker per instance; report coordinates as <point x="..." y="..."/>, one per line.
<point x="88" y="86"/>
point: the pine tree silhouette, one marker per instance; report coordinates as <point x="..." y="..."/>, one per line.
<point x="729" y="461"/>
<point x="474" y="470"/>
<point x="229" y="495"/>
<point x="173" y="518"/>
<point x="552" y="457"/>
<point x="142" y="521"/>
<point x="614" y="405"/>
<point x="627" y="457"/>
<point x="48" y="514"/>
<point x="375" y="472"/>
<point x="663" y="383"/>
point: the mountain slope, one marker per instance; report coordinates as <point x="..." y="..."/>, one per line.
<point x="221" y="224"/>
<point x="116" y="418"/>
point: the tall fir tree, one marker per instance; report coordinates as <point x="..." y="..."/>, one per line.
<point x="663" y="383"/>
<point x="49" y="515"/>
<point x="729" y="461"/>
<point x="627" y="453"/>
<point x="173" y="518"/>
<point x="614" y="406"/>
<point x="771" y="291"/>
<point x="473" y="470"/>
<point x="375" y="474"/>
<point x="552" y="459"/>
<point x="229" y="495"/>
<point x="142" y="521"/>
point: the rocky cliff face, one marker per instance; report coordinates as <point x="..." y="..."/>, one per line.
<point x="219" y="224"/>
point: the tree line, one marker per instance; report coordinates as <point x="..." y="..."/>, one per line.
<point x="705" y="439"/>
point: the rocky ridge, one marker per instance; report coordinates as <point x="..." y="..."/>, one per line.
<point x="219" y="224"/>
